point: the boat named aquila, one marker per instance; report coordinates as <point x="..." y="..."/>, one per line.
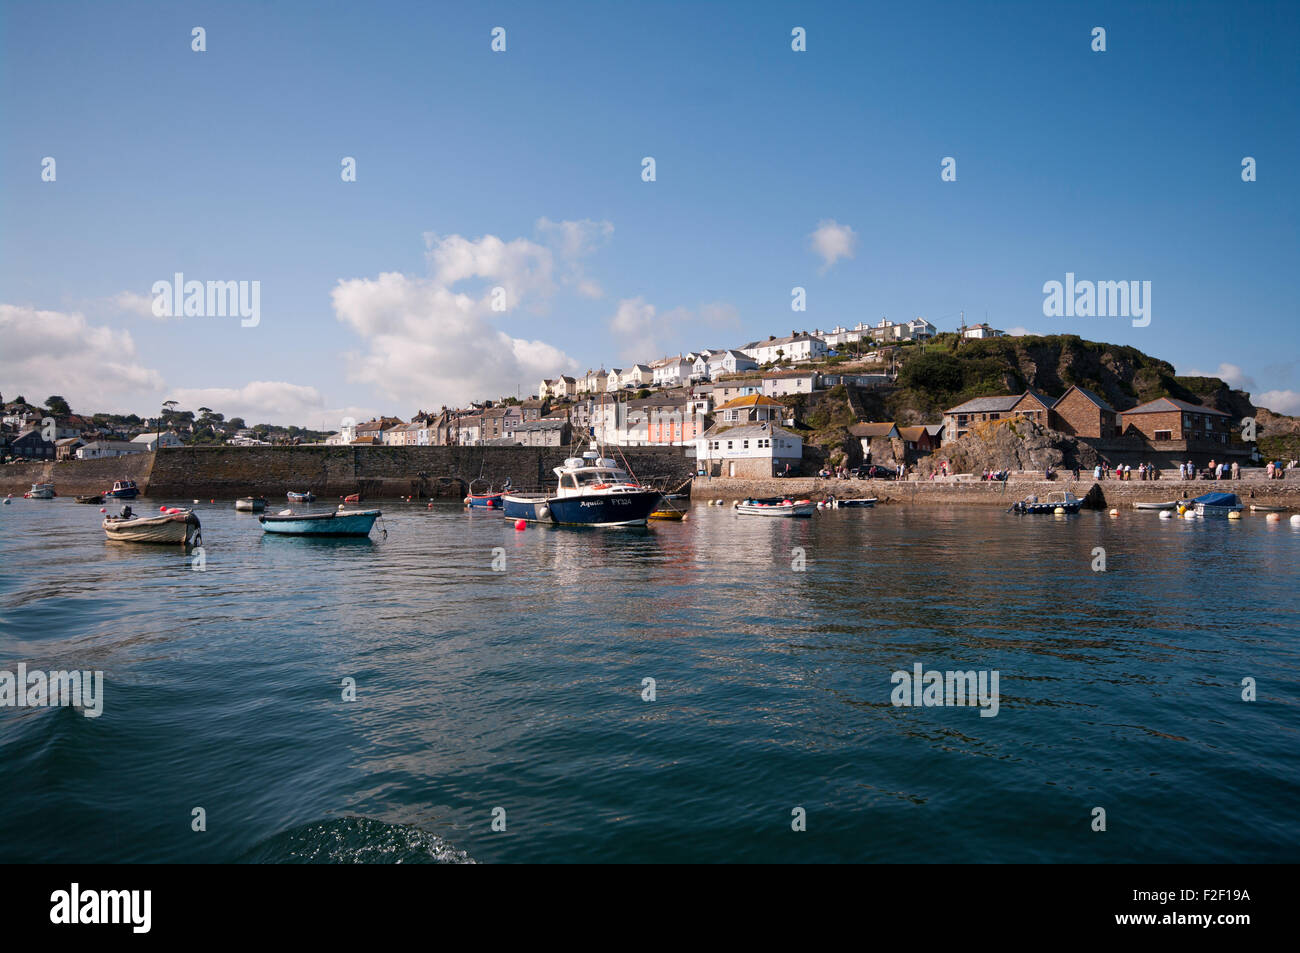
<point x="1065" y="501"/>
<point x="335" y="523"/>
<point x="592" y="491"/>
<point x="176" y="527"/>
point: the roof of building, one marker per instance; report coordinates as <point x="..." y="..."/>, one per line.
<point x="1166" y="404"/>
<point x="984" y="405"/>
<point x="775" y="375"/>
<point x="1030" y="392"/>
<point x="912" y="434"/>
<point x="1088" y="394"/>
<point x="874" y="429"/>
<point x="750" y="400"/>
<point x="750" y="430"/>
<point x="546" y="423"/>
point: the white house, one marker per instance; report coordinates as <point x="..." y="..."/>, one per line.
<point x="637" y="376"/>
<point x="980" y="331"/>
<point x="750" y="451"/>
<point x="671" y="371"/>
<point x="799" y="346"/>
<point x="150" y="441"/>
<point x="729" y="361"/>
<point x="100" y="449"/>
<point x="780" y="383"/>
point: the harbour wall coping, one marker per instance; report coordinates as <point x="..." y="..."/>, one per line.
<point x="1114" y="493"/>
<point x="329" y="472"/>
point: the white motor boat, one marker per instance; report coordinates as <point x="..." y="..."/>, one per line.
<point x="776" y="506"/>
<point x="41" y="491"/>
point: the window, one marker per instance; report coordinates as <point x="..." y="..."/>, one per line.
<point x="1164" y="435"/>
<point x="745" y="445"/>
<point x="728" y="444"/>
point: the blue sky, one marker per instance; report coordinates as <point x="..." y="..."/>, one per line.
<point x="522" y="169"/>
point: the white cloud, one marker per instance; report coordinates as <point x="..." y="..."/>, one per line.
<point x="131" y="302"/>
<point x="1230" y="374"/>
<point x="95" y="368"/>
<point x="260" y="402"/>
<point x="573" y="241"/>
<point x="833" y="241"/>
<point x="1018" y="332"/>
<point x="428" y="344"/>
<point x="1279" y="401"/>
<point x="645" y="334"/>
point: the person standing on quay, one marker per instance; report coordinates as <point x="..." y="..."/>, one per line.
<point x="1236" y="470"/>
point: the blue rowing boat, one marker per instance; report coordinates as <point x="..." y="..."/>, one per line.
<point x="336" y="523"/>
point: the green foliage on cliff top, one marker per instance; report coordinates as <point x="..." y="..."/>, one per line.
<point x="949" y="370"/>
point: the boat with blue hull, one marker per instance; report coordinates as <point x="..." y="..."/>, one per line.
<point x="336" y="523"/>
<point x="592" y="491"/>
<point x="1065" y="502"/>
<point x="1217" y="505"/>
<point x="123" y="490"/>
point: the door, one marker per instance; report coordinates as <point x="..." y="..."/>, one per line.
<point x="731" y="469"/>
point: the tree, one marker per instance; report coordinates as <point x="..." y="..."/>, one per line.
<point x="57" y="406"/>
<point x="238" y="423"/>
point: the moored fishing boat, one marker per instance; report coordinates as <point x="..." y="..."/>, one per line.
<point x="41" y="491"/>
<point x="250" y="504"/>
<point x="1216" y="505"/>
<point x="123" y="490"/>
<point x="307" y="497"/>
<point x="174" y="527"/>
<point x="1065" y="501"/>
<point x="592" y="491"/>
<point x="335" y="523"/>
<point x="484" y="497"/>
<point x="776" y="506"/>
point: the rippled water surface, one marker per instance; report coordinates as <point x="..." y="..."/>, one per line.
<point x="522" y="690"/>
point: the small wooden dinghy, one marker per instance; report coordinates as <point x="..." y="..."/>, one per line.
<point x="175" y="527"/>
<point x="94" y="499"/>
<point x="1156" y="506"/>
<point x="869" y="501"/>
<point x="251" y="504"/>
<point x="1262" y="508"/>
<point x="307" y="497"/>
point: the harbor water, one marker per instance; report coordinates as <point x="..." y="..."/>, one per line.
<point x="693" y="691"/>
